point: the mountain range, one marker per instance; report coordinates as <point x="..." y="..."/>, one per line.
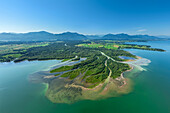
<point x="163" y="36"/>
<point x="46" y="36"/>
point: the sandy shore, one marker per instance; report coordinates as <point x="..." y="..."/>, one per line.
<point x="132" y="67"/>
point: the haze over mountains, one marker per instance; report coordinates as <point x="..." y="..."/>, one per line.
<point x="163" y="36"/>
<point x="41" y="36"/>
<point x="46" y="36"/>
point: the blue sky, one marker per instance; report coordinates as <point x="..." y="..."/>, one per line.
<point x="86" y="16"/>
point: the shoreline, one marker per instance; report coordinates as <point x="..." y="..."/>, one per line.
<point x="122" y="77"/>
<point x="101" y="84"/>
<point x="66" y="88"/>
<point x="46" y="87"/>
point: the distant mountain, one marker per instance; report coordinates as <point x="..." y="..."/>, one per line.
<point x="93" y="36"/>
<point x="41" y="36"/>
<point x="115" y="36"/>
<point x="145" y="37"/>
<point x="46" y="36"/>
<point x="128" y="37"/>
<point x="31" y="36"/>
<point x="163" y="36"/>
<point x="70" y="36"/>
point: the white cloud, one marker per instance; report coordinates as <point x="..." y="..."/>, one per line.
<point x="141" y="30"/>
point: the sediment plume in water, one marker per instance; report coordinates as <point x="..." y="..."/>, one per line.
<point x="63" y="90"/>
<point x="139" y="63"/>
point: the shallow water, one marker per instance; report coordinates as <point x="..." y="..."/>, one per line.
<point x="150" y="93"/>
<point x="127" y="58"/>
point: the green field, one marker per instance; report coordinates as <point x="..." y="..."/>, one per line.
<point x="111" y="46"/>
<point x="95" y="45"/>
<point x="117" y="45"/>
<point x="12" y="55"/>
<point x="11" y="51"/>
<point x="12" y="47"/>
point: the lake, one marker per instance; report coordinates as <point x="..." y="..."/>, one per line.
<point x="151" y="88"/>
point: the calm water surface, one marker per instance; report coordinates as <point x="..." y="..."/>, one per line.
<point x="151" y="91"/>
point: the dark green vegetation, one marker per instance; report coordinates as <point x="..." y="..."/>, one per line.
<point x="150" y="92"/>
<point x="76" y="59"/>
<point x="56" y="74"/>
<point x="54" y="50"/>
<point x="91" y="72"/>
<point x="117" y="68"/>
<point x="20" y="51"/>
<point x="63" y="68"/>
<point x="65" y="60"/>
<point x="12" y="50"/>
<point x="94" y="70"/>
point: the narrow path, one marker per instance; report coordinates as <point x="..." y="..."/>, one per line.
<point x="108" y="78"/>
<point x="108" y="57"/>
<point x="105" y="82"/>
<point x="106" y="63"/>
<point x="130" y="63"/>
<point x="110" y="73"/>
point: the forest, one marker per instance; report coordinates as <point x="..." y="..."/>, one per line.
<point x="92" y="71"/>
<point x="56" y="50"/>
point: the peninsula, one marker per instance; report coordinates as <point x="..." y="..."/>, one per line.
<point x="97" y="72"/>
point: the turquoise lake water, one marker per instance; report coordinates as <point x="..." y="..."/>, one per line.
<point x="151" y="90"/>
